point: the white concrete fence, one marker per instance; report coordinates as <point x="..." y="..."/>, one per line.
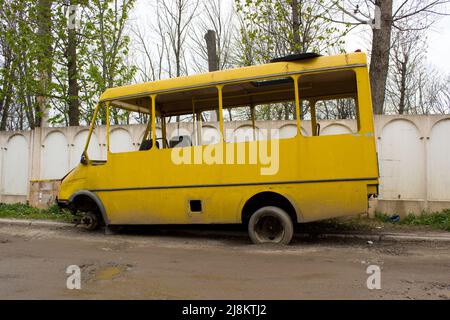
<point x="413" y="153"/>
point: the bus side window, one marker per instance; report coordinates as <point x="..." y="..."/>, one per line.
<point x="336" y="116"/>
<point x="253" y="106"/>
<point x="189" y="115"/>
<point x="121" y="136"/>
<point x="238" y="124"/>
<point x="179" y="131"/>
<point x="332" y="108"/>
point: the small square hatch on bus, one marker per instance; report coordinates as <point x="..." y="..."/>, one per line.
<point x="195" y="205"/>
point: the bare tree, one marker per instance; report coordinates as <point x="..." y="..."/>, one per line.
<point x="408" y="54"/>
<point x="214" y="16"/>
<point x="174" y="20"/>
<point x="383" y="16"/>
<point x="153" y="60"/>
<point x="148" y="64"/>
<point x="433" y="94"/>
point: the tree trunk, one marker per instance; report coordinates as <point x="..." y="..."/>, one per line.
<point x="6" y="104"/>
<point x="401" y="105"/>
<point x="6" y="89"/>
<point x="295" y="28"/>
<point x="379" y="62"/>
<point x="5" y="113"/>
<point x="72" y="73"/>
<point x="44" y="45"/>
<point x="28" y="98"/>
<point x="287" y="111"/>
<point x="230" y="114"/>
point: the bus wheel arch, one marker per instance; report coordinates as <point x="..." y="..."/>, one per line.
<point x="267" y="198"/>
<point x="88" y="202"/>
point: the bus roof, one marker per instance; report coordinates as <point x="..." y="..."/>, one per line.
<point x="275" y="69"/>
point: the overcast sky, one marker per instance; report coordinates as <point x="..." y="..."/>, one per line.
<point x="438" y="40"/>
<point x="439" y="45"/>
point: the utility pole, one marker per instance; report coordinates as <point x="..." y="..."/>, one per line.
<point x="213" y="64"/>
<point x="210" y="38"/>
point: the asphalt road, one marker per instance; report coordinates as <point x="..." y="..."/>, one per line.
<point x="186" y="264"/>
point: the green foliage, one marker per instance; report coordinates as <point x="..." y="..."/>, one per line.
<point x="24" y="211"/>
<point x="102" y="47"/>
<point x="436" y="220"/>
<point x="267" y="29"/>
<point x="19" y="42"/>
<point x="107" y="66"/>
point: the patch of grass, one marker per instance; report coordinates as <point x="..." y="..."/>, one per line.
<point x="382" y="221"/>
<point x="437" y="220"/>
<point x="25" y="211"/>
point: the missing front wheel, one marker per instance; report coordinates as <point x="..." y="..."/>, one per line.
<point x="89" y="220"/>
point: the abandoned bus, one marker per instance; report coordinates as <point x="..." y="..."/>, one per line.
<point x="229" y="165"/>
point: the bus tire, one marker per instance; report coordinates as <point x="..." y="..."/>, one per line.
<point x="270" y="225"/>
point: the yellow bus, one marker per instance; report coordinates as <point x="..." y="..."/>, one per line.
<point x="325" y="167"/>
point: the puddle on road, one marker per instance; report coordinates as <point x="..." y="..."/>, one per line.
<point x="110" y="271"/>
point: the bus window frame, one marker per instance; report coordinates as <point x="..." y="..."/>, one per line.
<point x="84" y="156"/>
<point x="107" y="105"/>
<point x="360" y="111"/>
<point x="196" y="123"/>
<point x="294" y="77"/>
<point x="356" y="96"/>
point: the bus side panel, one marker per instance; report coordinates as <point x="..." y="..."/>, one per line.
<point x="317" y="201"/>
<point x="312" y="201"/>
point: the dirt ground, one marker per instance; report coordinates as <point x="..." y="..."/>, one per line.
<point x="212" y="264"/>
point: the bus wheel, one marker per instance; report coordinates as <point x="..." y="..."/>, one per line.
<point x="270" y="225"/>
<point x="90" y="220"/>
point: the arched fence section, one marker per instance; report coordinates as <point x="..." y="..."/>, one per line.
<point x="14" y="183"/>
<point x="413" y="154"/>
<point x="402" y="158"/>
<point x="439" y="161"/>
<point x="55" y="155"/>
